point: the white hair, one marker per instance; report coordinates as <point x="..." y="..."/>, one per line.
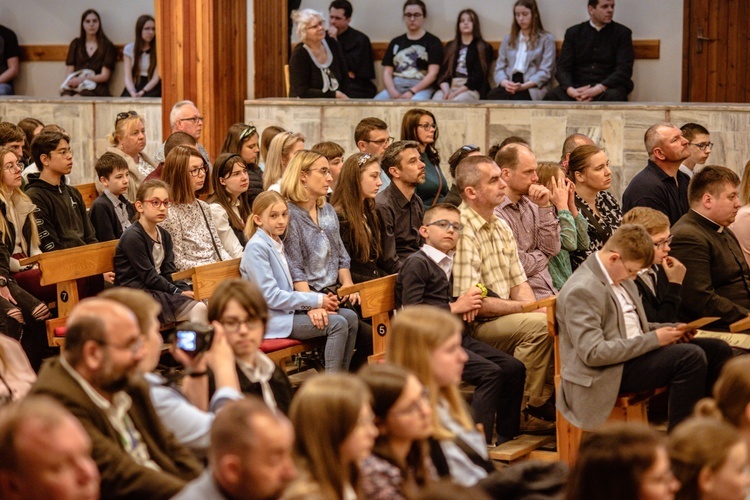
<point x="176" y="108"/>
<point x="302" y="18"/>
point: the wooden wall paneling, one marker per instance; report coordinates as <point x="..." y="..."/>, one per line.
<point x="686" y="51"/>
<point x="270" y="46"/>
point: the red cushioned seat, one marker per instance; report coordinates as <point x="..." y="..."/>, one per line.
<point x="60" y="331"/>
<point x="271" y="345"/>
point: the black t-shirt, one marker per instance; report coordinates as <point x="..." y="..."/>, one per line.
<point x="411" y="58"/>
<point x="8" y="47"/>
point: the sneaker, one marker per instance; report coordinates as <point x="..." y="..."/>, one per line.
<point x="545" y="412"/>
<point x="535" y="426"/>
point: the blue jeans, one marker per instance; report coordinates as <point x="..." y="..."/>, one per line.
<point x="341" y="334"/>
<point x="404" y="84"/>
<point x="6" y="89"/>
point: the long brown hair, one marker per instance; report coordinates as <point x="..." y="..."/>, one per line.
<point x="101" y="38"/>
<point x="351" y="204"/>
<point x="223" y="167"/>
<point x="237" y="135"/>
<point x="536" y="24"/>
<point x="176" y="174"/>
<point x="138" y="50"/>
<point x="409" y="126"/>
<point x="145" y="190"/>
<point x="451" y="49"/>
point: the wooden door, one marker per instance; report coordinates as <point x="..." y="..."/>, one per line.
<point x="716" y="48"/>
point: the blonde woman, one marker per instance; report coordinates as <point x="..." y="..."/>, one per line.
<point x="128" y="140"/>
<point x="281" y="151"/>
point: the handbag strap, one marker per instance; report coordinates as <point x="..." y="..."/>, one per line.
<point x="208" y="226"/>
<point x="477" y="459"/>
<point x="592" y="219"/>
<point x="440" y="186"/>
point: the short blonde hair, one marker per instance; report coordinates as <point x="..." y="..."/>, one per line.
<point x="654" y="221"/>
<point x="291" y="182"/>
<point x="280" y="146"/>
<point x="123" y="127"/>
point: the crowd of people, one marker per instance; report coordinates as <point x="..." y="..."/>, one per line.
<point x="107" y="418"/>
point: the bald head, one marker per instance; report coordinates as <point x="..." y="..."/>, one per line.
<point x="572" y="142"/>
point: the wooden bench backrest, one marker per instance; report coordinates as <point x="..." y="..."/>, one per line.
<point x="378" y="301"/>
<point x="207" y="278"/>
<point x="88" y="192"/>
<point x="73" y="263"/>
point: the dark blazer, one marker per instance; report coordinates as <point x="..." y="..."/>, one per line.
<point x="421" y="281"/>
<point x="121" y="476"/>
<point x="361" y="271"/>
<point x="717" y="282"/>
<point x="280" y="386"/>
<point x="663" y="306"/>
<point x="104" y="218"/>
<point x="477" y="77"/>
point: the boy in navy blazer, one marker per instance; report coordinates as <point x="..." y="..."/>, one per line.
<point x="111" y="212"/>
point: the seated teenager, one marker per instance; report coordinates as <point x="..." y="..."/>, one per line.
<point x="400" y="462"/>
<point x="330" y="452"/>
<point x="228" y="204"/>
<point x="608" y="346"/>
<point x="427" y="341"/>
<point x="294" y="314"/>
<point x="31" y="167"/>
<point x="282" y="149"/>
<point x="242" y="139"/>
<point x="425" y="278"/>
<point x="354" y="203"/>
<point x="194" y="235"/>
<point x="31" y="128"/>
<point x="144" y="258"/>
<point x="317" y="258"/>
<point x="21" y="314"/>
<point x="265" y="143"/>
<point x="238" y="306"/>
<point x="185" y="409"/>
<point x="111" y="212"/>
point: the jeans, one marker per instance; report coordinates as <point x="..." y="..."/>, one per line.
<point x="341" y="334"/>
<point x="404" y="84"/>
<point x="6" y="89"/>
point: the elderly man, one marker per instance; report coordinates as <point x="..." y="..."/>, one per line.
<point x="95" y="380"/>
<point x="250" y="457"/>
<point x="661" y="185"/>
<point x="45" y="453"/>
<point x="185" y="117"/>
<point x="487" y="254"/>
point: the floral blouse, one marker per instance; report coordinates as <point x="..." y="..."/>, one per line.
<point x="599" y="228"/>
<point x="192" y="235"/>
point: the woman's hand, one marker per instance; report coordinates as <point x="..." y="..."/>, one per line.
<point x="330" y="302"/>
<point x="5" y="293"/>
<point x="189" y="293"/>
<point x="341" y="95"/>
<point x="319" y="317"/>
<point x="353" y="298"/>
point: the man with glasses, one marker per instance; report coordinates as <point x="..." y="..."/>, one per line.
<point x="608" y="346"/>
<point x="61" y="216"/>
<point x="371" y="136"/>
<point x="661" y="185"/>
<point x="530" y="210"/>
<point x="185" y="117"/>
<point x="96" y="380"/>
<point x="700" y="147"/>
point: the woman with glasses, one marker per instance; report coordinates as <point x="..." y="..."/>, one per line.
<point x="524" y="66"/>
<point x="588" y="168"/>
<point x="454" y="197"/>
<point x="144" y="258"/>
<point x="407" y="73"/>
<point x="189" y="221"/>
<point x="467" y="62"/>
<point x="354" y="202"/>
<point x="242" y="139"/>
<point x="334" y="428"/>
<point x="228" y="204"/>
<point x="400" y="462"/>
<point x="128" y="141"/>
<point x="91" y="51"/>
<point x="21" y="314"/>
<point x="238" y="305"/>
<point x="317" y="67"/>
<point x="420" y="125"/>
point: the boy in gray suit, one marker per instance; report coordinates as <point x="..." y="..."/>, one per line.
<point x="608" y="346"/>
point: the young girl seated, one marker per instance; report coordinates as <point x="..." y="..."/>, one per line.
<point x="333" y="422"/>
<point x="144" y="258"/>
<point x="400" y="462"/>
<point x="194" y="234"/>
<point x="228" y="204"/>
<point x="294" y="314"/>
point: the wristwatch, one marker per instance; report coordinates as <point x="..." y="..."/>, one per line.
<point x="3" y="281"/>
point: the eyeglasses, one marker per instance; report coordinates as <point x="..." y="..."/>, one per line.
<point x="380" y="142"/>
<point x="665" y="241"/>
<point x="63" y="152"/>
<point x="702" y="145"/>
<point x="122" y="116"/>
<point x="469" y="148"/>
<point x="248" y="132"/>
<point x="156" y="203"/>
<point x="325" y="170"/>
<point x="446" y="224"/>
<point x="194" y="119"/>
<point x="632" y="273"/>
<point x="363" y="159"/>
<point x="237" y="173"/>
<point x="415" y="15"/>
<point x="416" y="405"/>
<point x="133" y="346"/>
<point x="427" y="126"/>
<point x="234" y="325"/>
<point x="10" y="167"/>
<point x="196" y="171"/>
